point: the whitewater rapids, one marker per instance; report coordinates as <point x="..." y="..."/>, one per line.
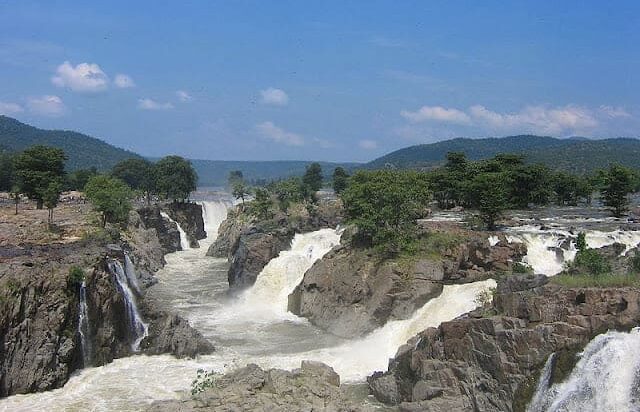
<point x="252" y="328"/>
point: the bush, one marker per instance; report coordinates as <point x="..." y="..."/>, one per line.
<point x="203" y="381"/>
<point x="75" y="277"/>
<point x="593" y="262"/>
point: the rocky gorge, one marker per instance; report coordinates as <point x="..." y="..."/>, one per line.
<point x="41" y="281"/>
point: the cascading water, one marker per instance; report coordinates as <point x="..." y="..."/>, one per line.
<point x="213" y="214"/>
<point x="606" y="378"/>
<point x="549" y="250"/>
<point x="137" y="327"/>
<point x="184" y="241"/>
<point x="130" y="271"/>
<point x="83" y="326"/>
<point x="243" y="331"/>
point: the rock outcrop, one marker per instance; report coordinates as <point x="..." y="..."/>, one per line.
<point x="352" y="291"/>
<point x="189" y="216"/>
<point x="491" y="363"/>
<point x="250" y="244"/>
<point x="149" y="219"/>
<point x="312" y="387"/>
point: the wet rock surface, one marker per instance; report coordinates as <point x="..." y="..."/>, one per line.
<point x="491" y="363"/>
<point x="189" y="216"/>
<point x="312" y="387"/>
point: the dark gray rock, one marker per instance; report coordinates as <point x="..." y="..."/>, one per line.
<point x="189" y="216"/>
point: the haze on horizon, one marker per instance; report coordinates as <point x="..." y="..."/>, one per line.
<point x="334" y="80"/>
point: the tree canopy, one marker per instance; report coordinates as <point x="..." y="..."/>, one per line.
<point x="37" y="168"/>
<point x="175" y="178"/>
<point x="111" y="197"/>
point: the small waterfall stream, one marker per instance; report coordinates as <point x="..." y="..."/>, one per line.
<point x="184" y="241"/>
<point x="84" y="327"/>
<point x="130" y="271"/>
<point x="137" y="327"/>
<point x="606" y="378"/>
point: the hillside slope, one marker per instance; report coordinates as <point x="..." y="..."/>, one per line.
<point x="83" y="151"/>
<point x="575" y="154"/>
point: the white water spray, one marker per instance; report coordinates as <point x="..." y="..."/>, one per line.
<point x="213" y="214"/>
<point x="137" y="327"/>
<point x="83" y="326"/>
<point x="184" y="241"/>
<point x="605" y="379"/>
<point x="130" y="271"/>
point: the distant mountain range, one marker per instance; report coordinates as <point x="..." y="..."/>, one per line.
<point x="578" y="155"/>
<point x="82" y="151"/>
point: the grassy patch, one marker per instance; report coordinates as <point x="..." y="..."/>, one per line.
<point x="432" y="244"/>
<point x="598" y="281"/>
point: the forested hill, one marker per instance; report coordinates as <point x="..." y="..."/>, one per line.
<point x="573" y="154"/>
<point x="83" y="151"/>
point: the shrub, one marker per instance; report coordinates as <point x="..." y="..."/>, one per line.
<point x="75" y="277"/>
<point x="203" y="381"/>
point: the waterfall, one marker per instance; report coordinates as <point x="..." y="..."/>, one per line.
<point x="606" y="378"/>
<point x="184" y="241"/>
<point x="544" y="382"/>
<point x="213" y="214"/>
<point x="548" y="251"/>
<point x="130" y="271"/>
<point x="282" y="274"/>
<point x="83" y="326"/>
<point x="137" y="327"/>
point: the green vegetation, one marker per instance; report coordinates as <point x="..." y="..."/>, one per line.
<point x="619" y="182"/>
<point x="78" y="179"/>
<point x="75" y="277"/>
<point x="139" y="174"/>
<point x="6" y="171"/>
<point x="261" y="205"/>
<point x="84" y="151"/>
<point x="340" y="180"/>
<point x="312" y="180"/>
<point x="175" y="178"/>
<point x="39" y="172"/>
<point x="384" y="205"/>
<point x="111" y="197"/>
<point x="203" y="381"/>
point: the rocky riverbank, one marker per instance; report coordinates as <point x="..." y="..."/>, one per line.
<point x="39" y="295"/>
<point x="490" y="359"/>
<point x="351" y="291"/>
<point x="249" y="244"/>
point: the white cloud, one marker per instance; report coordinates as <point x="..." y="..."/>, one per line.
<point x="368" y="144"/>
<point x="85" y="77"/>
<point x="436" y="113"/>
<point x="10" y="109"/>
<point x="614" y="111"/>
<point x="47" y="105"/>
<point x="123" y="81"/>
<point x="275" y="97"/>
<point x="183" y="96"/>
<point x="150" y="104"/>
<point x="272" y="132"/>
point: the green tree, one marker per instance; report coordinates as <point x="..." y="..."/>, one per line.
<point x="312" y="180"/>
<point x="14" y="194"/>
<point x="566" y="187"/>
<point x="175" y="178"/>
<point x="261" y="204"/>
<point x="36" y="168"/>
<point x="491" y="196"/>
<point x="340" y="180"/>
<point x="287" y="191"/>
<point x="384" y="205"/>
<point x="51" y="196"/>
<point x="619" y="182"/>
<point x="139" y="174"/>
<point x="240" y="190"/>
<point x="530" y="185"/>
<point x="77" y="179"/>
<point x="6" y="171"/>
<point x="235" y="176"/>
<point x="111" y="197"/>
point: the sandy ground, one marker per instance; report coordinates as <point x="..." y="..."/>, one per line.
<point x="71" y="220"/>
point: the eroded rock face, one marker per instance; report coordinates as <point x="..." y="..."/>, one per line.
<point x="492" y="363"/>
<point x="312" y="387"/>
<point x="189" y="216"/>
<point x="249" y="244"/>
<point x="352" y="291"/>
<point x="350" y="294"/>
<point x="145" y="220"/>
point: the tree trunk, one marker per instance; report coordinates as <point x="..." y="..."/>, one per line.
<point x="39" y="204"/>
<point x="17" y="201"/>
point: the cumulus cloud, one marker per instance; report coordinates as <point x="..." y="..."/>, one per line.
<point x="614" y="112"/>
<point x="272" y="132"/>
<point x="436" y="113"/>
<point x="276" y="97"/>
<point x="47" y="105"/>
<point x="531" y="119"/>
<point x="9" y="109"/>
<point x="122" y="81"/>
<point x="368" y="144"/>
<point x="84" y="78"/>
<point x="150" y="104"/>
<point x="183" y="96"/>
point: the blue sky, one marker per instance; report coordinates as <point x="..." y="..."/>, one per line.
<point x="326" y="80"/>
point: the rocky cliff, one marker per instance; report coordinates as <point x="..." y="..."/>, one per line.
<point x="250" y="244"/>
<point x="490" y="359"/>
<point x="351" y="291"/>
<point x="189" y="216"/>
